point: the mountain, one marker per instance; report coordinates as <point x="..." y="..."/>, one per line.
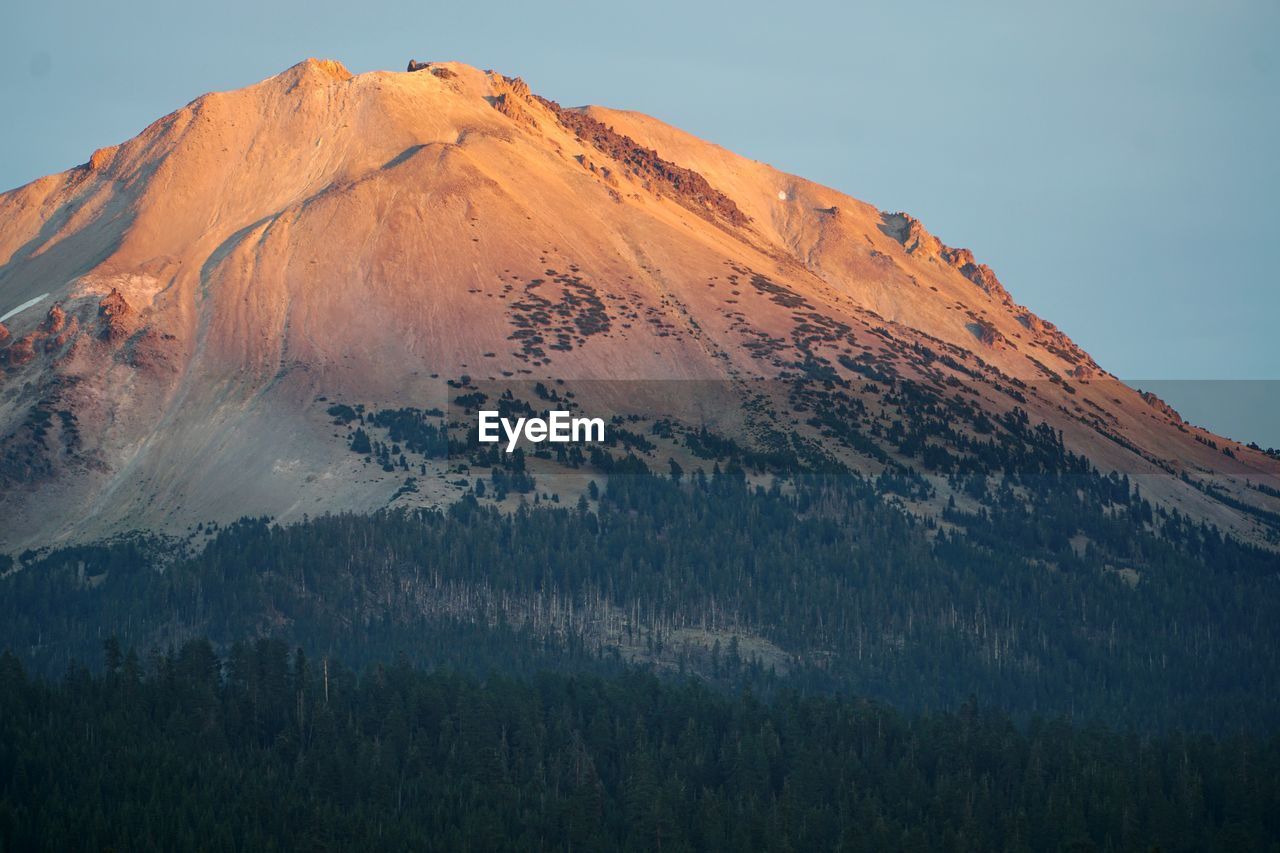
<point x="244" y="354"/>
<point x="200" y="323"/>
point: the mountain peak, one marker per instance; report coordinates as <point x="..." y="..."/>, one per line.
<point x="325" y="68"/>
<point x="365" y="239"/>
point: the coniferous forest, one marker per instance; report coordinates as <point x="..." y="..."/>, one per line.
<point x="269" y="749"/>
<point x="678" y="660"/>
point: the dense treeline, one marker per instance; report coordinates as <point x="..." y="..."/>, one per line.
<point x="828" y="587"/>
<point x="272" y="750"/>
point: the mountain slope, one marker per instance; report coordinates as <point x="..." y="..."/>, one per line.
<point x="204" y="293"/>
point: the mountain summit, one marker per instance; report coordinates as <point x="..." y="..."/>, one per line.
<point x="198" y="320"/>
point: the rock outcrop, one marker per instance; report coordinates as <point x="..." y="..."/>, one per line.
<point x="436" y="70"/>
<point x="513" y="99"/>
<point x="908" y="231"/>
<point x="1084" y="372"/>
<point x="1162" y="407"/>
<point x="101" y="159"/>
<point x="685" y="186"/>
<point x="988" y="334"/>
<point x="980" y="274"/>
<point x="114" y="313"/>
<point x="55" y="320"/>
<point x="22" y="351"/>
<point x="55" y="342"/>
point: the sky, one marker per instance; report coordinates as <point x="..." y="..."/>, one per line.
<point x="1114" y="162"/>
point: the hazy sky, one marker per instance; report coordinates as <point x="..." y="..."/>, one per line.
<point x="1115" y="162"/>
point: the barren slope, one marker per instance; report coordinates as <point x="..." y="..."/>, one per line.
<point x="216" y="283"/>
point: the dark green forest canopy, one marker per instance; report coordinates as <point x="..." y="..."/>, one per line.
<point x="666" y="664"/>
<point x="826" y="586"/>
<point x="272" y="750"/>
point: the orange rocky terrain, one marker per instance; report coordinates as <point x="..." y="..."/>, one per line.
<point x="184" y="309"/>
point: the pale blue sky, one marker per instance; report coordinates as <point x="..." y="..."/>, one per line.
<point x="1114" y="162"/>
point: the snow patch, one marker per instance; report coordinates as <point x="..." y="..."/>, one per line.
<point x="24" y="306"/>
